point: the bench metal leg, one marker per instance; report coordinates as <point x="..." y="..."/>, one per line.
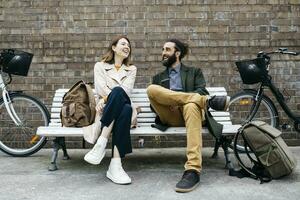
<point x="64" y="148"/>
<point x="58" y="142"/>
<point x="225" y="144"/>
<point x="56" y="147"/>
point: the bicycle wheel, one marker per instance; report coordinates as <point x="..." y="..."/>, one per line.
<point x="240" y="107"/>
<point x="21" y="140"/>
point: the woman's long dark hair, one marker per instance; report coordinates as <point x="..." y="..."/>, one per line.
<point x="110" y="54"/>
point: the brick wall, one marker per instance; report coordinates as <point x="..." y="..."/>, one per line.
<point x="67" y="37"/>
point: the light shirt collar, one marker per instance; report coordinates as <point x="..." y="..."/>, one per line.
<point x="176" y="68"/>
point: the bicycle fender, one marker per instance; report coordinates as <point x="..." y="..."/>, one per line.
<point x="15" y="92"/>
<point x="11" y="93"/>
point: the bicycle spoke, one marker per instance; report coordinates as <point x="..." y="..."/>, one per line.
<point x="241" y="106"/>
<point x="22" y="140"/>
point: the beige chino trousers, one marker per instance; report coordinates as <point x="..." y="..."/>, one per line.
<point x="188" y="114"/>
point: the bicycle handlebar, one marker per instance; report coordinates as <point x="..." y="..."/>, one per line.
<point x="280" y="51"/>
<point x="292" y="53"/>
<point x="267" y="58"/>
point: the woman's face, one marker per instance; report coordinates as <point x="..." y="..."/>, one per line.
<point x="122" y="48"/>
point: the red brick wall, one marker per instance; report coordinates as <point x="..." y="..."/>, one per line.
<point x="67" y="37"/>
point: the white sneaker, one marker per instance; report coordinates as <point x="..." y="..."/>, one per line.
<point x="97" y="153"/>
<point x="116" y="172"/>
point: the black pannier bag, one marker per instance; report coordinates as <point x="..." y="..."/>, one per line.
<point x="252" y="71"/>
<point x="15" y="62"/>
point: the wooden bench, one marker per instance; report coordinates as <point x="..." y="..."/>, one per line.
<point x="145" y="119"/>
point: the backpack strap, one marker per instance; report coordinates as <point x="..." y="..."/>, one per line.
<point x="92" y="102"/>
<point x="257" y="171"/>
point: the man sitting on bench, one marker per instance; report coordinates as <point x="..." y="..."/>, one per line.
<point x="179" y="98"/>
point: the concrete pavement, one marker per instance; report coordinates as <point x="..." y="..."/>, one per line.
<point x="154" y="173"/>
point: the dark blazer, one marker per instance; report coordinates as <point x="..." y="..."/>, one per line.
<point x="192" y="81"/>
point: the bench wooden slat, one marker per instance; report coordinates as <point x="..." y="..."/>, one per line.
<point x="141" y="104"/>
<point x="144" y="131"/>
<point x="134" y="97"/>
<point x="143" y="90"/>
<point x="58" y="97"/>
<point x="137" y="93"/>
<point x="55" y="115"/>
<point x="149" y="120"/>
<point x="146" y="112"/>
<point x="142" y="95"/>
<point x="141" y="124"/>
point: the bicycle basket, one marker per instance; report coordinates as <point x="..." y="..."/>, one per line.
<point x="252" y="71"/>
<point x="16" y="62"/>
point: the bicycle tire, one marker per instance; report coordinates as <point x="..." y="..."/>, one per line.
<point x="240" y="105"/>
<point x="239" y="109"/>
<point x="21" y="141"/>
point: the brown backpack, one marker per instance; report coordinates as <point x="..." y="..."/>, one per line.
<point x="78" y="107"/>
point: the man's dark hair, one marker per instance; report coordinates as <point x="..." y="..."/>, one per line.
<point x="180" y="46"/>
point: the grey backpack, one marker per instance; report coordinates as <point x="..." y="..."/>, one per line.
<point x="273" y="158"/>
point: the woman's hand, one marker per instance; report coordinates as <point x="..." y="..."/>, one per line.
<point x="100" y="106"/>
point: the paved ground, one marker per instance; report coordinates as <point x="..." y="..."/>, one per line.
<point x="154" y="173"/>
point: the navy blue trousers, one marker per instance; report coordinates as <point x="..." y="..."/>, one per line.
<point x="118" y="108"/>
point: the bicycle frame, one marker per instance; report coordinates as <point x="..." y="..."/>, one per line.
<point x="255" y="106"/>
<point x="267" y="82"/>
<point x="21" y="114"/>
<point x="279" y="97"/>
<point x="8" y="103"/>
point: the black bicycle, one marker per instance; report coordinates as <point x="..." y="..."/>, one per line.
<point x="20" y="114"/>
<point x="254" y="104"/>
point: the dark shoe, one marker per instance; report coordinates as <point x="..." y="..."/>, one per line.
<point x="219" y="103"/>
<point x="189" y="181"/>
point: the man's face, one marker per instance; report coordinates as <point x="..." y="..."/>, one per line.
<point x="168" y="54"/>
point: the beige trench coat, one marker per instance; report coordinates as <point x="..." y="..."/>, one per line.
<point x="106" y="77"/>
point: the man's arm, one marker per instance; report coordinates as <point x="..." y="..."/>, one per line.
<point x="199" y="84"/>
<point x="155" y="80"/>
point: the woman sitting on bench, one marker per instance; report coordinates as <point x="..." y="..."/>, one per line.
<point x="114" y="80"/>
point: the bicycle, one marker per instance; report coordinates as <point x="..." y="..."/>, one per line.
<point x="254" y="104"/>
<point x="20" y="114"/>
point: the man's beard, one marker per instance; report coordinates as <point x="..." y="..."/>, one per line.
<point x="170" y="61"/>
